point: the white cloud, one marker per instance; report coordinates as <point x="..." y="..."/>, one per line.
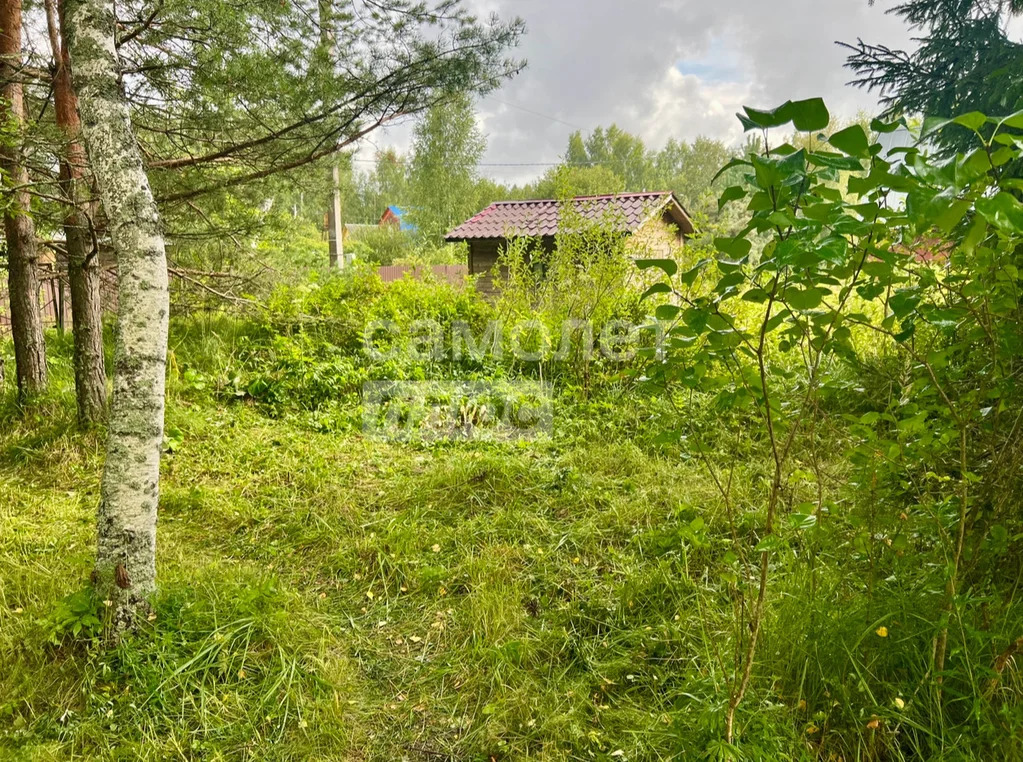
<point x="594" y="62"/>
<point x="685" y="106"/>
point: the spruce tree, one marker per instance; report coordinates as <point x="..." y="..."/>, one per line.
<point x="965" y="62"/>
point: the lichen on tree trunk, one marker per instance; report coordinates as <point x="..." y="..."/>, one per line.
<point x="126" y="526"/>
<point x="19" y="231"/>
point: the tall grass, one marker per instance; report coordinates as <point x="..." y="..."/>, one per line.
<point x="326" y="596"/>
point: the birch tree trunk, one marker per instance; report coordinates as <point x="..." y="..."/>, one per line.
<point x="19" y="231"/>
<point x="125" y="570"/>
<point x="83" y="260"/>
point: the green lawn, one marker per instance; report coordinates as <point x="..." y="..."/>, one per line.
<point x="328" y="597"/>
<point x="325" y="596"/>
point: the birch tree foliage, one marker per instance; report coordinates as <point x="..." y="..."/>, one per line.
<point x="443" y="176"/>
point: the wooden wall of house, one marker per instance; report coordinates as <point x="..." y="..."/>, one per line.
<point x="483" y="256"/>
<point x="657" y="239"/>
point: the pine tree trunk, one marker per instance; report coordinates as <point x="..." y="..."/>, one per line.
<point x="126" y="555"/>
<point x="83" y="261"/>
<point x="22" y="255"/>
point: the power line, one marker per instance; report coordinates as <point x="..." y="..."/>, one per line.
<point x="535" y="113"/>
<point x="402" y="160"/>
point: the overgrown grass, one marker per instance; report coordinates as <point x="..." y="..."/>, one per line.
<point x="324" y="596"/>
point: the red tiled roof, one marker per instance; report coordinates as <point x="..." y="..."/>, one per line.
<point x="627" y="211"/>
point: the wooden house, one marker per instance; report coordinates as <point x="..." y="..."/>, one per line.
<point x="655" y="223"/>
<point x="395" y="217"/>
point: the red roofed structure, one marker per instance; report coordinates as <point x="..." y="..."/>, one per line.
<point x="657" y="217"/>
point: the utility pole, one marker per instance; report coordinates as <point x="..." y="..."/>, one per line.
<point x="336" y="233"/>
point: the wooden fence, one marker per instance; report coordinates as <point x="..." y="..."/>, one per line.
<point x="55" y="297"/>
<point x="453" y="274"/>
<point x="52" y="297"/>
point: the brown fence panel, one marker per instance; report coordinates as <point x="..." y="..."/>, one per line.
<point x="54" y="301"/>
<point x="55" y="298"/>
<point x="453" y="274"/>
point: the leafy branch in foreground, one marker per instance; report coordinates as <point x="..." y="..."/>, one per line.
<point x="867" y="255"/>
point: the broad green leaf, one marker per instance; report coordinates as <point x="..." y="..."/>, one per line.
<point x="731" y="165"/>
<point x="952" y="215"/>
<point x="833" y="249"/>
<point x="730" y="265"/>
<point x="803" y="298"/>
<point x="1005" y="139"/>
<point x="860" y="186"/>
<point x="802" y="521"/>
<point x="696" y="318"/>
<point x="794" y="163"/>
<point x="657" y="288"/>
<point x="904" y="301"/>
<point x="1003" y="156"/>
<point x="1012" y="120"/>
<point x="852" y="140"/>
<point x="689" y="276"/>
<point x="806" y="115"/>
<point x="775" y="117"/>
<point x="733" y="193"/>
<point x="785" y="149"/>
<point x="668" y="265"/>
<point x="975" y="164"/>
<point x="943" y="318"/>
<point x="835" y="161"/>
<point x="668" y="437"/>
<point x="973" y="120"/>
<point x="747" y="123"/>
<point x="778" y="319"/>
<point x="834" y="195"/>
<point x="667" y="312"/>
<point x="729" y="280"/>
<point x="769" y="544"/>
<point x="932" y="124"/>
<point x="760" y="202"/>
<point x="975" y="234"/>
<point x="821" y="212"/>
<point x="733" y="247"/>
<point x="878" y="125"/>
<point x="768" y="173"/>
<point x="1003" y="211"/>
<point x="810" y="114"/>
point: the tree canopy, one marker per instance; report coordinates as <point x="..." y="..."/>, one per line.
<point x="965" y="61"/>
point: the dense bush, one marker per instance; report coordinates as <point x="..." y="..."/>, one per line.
<point x="794" y="534"/>
<point x="875" y="381"/>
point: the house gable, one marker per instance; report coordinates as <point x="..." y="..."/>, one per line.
<point x="657" y="238"/>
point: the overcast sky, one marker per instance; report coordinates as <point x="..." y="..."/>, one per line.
<point x="663" y="68"/>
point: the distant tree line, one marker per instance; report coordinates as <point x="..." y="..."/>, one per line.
<point x="440" y="182"/>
